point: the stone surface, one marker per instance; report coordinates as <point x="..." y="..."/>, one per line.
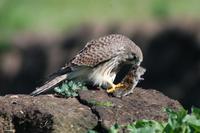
<point x="92" y="109"/>
<point x="142" y="104"/>
<point x="22" y="113"/>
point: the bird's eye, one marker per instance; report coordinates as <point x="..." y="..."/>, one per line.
<point x="132" y="57"/>
<point x="136" y="60"/>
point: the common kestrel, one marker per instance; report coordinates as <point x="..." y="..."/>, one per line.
<point x="99" y="62"/>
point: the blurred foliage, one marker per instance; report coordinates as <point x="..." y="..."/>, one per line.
<point x="160" y="8"/>
<point x="4" y="46"/>
<point x="58" y="15"/>
<point x="178" y="122"/>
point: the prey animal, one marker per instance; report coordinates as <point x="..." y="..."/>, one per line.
<point x="99" y="63"/>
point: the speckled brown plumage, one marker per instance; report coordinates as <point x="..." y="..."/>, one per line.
<point x="105" y="48"/>
<point x="98" y="62"/>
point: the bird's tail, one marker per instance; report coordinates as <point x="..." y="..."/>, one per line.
<point x="49" y="85"/>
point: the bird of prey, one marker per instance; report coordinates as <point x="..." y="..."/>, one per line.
<point x="99" y="63"/>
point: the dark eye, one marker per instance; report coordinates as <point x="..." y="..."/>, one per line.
<point x="132" y="57"/>
<point x="135" y="57"/>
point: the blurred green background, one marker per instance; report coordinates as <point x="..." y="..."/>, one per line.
<point x="39" y="37"/>
<point x="59" y="15"/>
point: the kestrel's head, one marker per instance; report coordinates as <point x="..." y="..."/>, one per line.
<point x="137" y="55"/>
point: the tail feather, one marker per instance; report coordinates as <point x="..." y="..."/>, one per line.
<point x="49" y="85"/>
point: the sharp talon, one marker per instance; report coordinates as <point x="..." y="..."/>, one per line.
<point x="114" y="88"/>
<point x="119" y="85"/>
<point x="110" y="90"/>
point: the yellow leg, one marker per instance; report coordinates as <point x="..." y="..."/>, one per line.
<point x="114" y="87"/>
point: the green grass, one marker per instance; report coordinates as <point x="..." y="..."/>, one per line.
<point x="59" y="15"/>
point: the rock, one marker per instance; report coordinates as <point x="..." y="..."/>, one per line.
<point x="92" y="109"/>
<point x="142" y="104"/>
<point x="23" y="113"/>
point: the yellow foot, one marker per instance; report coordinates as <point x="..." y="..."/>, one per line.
<point x="115" y="87"/>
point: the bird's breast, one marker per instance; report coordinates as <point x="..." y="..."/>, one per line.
<point x="103" y="73"/>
